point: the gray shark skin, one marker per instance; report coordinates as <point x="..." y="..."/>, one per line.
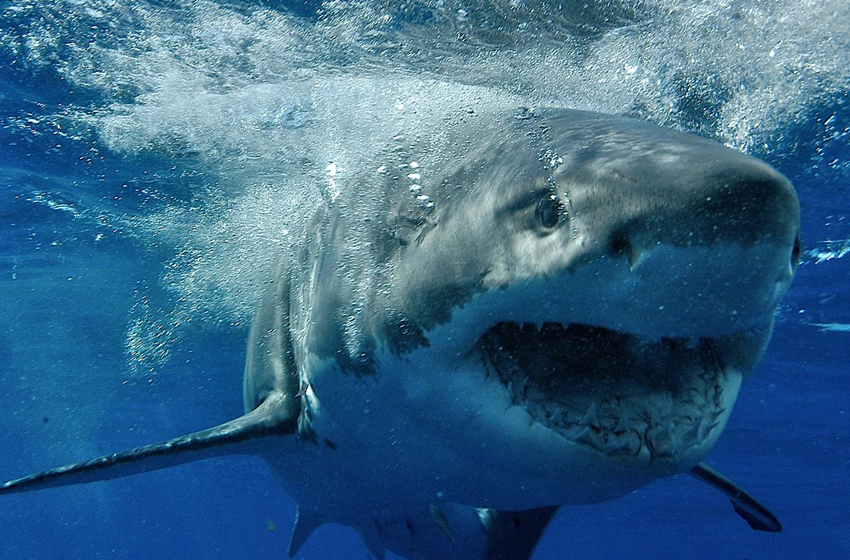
<point x="536" y="308"/>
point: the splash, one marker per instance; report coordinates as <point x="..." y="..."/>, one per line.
<point x="262" y="102"/>
<point x="828" y="250"/>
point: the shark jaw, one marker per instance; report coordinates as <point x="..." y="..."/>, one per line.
<point x="620" y="394"/>
<point x="634" y="365"/>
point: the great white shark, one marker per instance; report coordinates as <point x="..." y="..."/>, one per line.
<point x="533" y="309"/>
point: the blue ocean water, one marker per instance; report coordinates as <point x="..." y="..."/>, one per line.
<point x="153" y="155"/>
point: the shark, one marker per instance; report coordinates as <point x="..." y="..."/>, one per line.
<point x="534" y="308"/>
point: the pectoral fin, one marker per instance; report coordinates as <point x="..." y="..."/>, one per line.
<point x="234" y="437"/>
<point x="755" y="514"/>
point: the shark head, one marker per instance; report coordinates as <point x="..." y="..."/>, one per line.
<point x="580" y="293"/>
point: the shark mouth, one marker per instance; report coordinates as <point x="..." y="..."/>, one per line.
<point x="618" y="393"/>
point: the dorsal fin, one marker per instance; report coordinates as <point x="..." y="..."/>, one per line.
<point x="756" y="515"/>
<point x="226" y="439"/>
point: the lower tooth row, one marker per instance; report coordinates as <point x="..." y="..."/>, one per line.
<point x="608" y="425"/>
<point x="627" y="436"/>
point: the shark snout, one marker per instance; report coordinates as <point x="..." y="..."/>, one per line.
<point x="705" y="247"/>
<point x="742" y="206"/>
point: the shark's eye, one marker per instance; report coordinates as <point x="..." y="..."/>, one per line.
<point x="549" y="211"/>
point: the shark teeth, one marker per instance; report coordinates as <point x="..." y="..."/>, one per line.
<point x="613" y="392"/>
<point x="590" y="416"/>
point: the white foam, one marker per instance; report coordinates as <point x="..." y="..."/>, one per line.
<point x="263" y="102"/>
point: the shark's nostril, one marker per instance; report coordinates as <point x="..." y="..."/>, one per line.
<point x="621" y="245"/>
